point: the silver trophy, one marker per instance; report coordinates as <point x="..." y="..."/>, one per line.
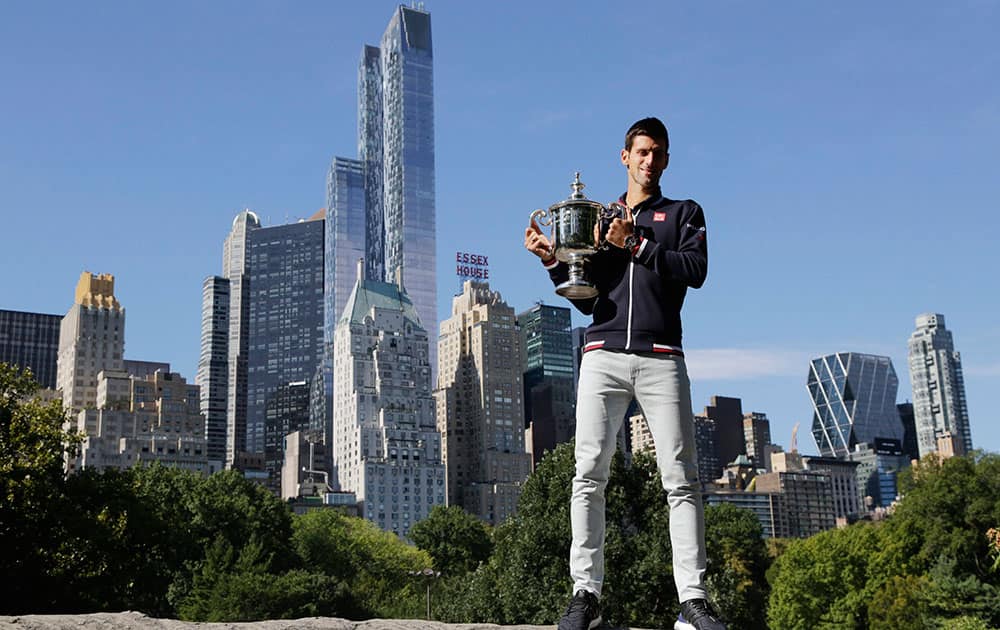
<point x="573" y="222"/>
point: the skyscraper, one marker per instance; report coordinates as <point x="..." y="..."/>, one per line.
<point x="386" y="446"/>
<point x="345" y="237"/>
<point x="756" y="435"/>
<point x="91" y="340"/>
<point x="480" y="412"/>
<point x="234" y="269"/>
<point x="396" y="147"/>
<point x="854" y="401"/>
<point x="285" y="310"/>
<point x="31" y="340"/>
<point x="939" y="406"/>
<point x="727" y="414"/>
<point x="213" y="364"/>
<point x="549" y="384"/>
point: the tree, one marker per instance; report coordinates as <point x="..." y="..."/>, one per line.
<point x="822" y="581"/>
<point x="375" y="566"/>
<point x="526" y="579"/>
<point x="456" y="540"/>
<point x="33" y="446"/>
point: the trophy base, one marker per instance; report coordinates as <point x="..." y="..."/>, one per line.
<point x="576" y="290"/>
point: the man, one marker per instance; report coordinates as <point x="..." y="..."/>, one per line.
<point x="633" y="349"/>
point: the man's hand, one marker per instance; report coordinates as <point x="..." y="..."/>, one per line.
<point x="620" y="228"/>
<point x="537" y="243"/>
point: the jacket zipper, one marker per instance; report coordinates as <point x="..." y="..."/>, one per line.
<point x="631" y="268"/>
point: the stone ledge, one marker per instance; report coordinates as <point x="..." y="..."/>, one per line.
<point x="138" y="621"/>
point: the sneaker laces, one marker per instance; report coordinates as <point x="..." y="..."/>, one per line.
<point x="698" y="609"/>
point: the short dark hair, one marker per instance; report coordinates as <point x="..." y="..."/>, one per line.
<point x="652" y="127"/>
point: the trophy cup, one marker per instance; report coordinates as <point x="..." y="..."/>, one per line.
<point x="573" y="221"/>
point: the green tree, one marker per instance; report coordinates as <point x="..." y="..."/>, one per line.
<point x="526" y="579"/>
<point x="456" y="540"/>
<point x="822" y="581"/>
<point x="33" y="446"/>
<point x="375" y="566"/>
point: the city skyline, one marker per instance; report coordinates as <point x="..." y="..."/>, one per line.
<point x="846" y="153"/>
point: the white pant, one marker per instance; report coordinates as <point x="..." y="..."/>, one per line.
<point x="659" y="382"/>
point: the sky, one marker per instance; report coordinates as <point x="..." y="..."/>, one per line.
<point x="844" y="153"/>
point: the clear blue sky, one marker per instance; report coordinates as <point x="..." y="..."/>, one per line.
<point x="845" y="155"/>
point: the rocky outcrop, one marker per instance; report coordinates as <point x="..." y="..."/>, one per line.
<point x="139" y="621"/>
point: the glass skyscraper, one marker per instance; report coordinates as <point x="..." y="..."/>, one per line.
<point x="284" y="279"/>
<point x="213" y="363"/>
<point x="345" y="237"/>
<point x="939" y="407"/>
<point x="854" y="401"/>
<point x="549" y="383"/>
<point x="31" y="340"/>
<point x="234" y="269"/>
<point x="396" y="147"/>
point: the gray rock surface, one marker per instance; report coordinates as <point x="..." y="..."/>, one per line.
<point x="139" y="621"/>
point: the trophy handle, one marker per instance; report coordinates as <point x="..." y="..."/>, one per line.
<point x="542" y="217"/>
<point x="608" y="214"/>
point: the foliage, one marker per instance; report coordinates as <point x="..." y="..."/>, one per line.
<point x="526" y="578"/>
<point x="374" y="566"/>
<point x="822" y="581"/>
<point x="33" y="445"/>
<point x="456" y="540"/>
<point x="932" y="562"/>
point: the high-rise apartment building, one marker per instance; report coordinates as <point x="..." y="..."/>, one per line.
<point x="141" y="420"/>
<point x="213" y="363"/>
<point x="345" y="237"/>
<point x="549" y="384"/>
<point x="396" y="147"/>
<point x="854" y="401"/>
<point x="480" y="409"/>
<point x="907" y="417"/>
<point x="31" y="341"/>
<point x="91" y="340"/>
<point x="939" y="406"/>
<point x="705" y="441"/>
<point x="387" y="449"/>
<point x="234" y="258"/>
<point x="283" y="283"/>
<point x="727" y="415"/>
<point x="756" y="436"/>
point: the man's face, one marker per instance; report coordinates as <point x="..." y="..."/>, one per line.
<point x="646" y="161"/>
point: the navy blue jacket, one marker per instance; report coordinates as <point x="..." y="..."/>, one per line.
<point x="640" y="294"/>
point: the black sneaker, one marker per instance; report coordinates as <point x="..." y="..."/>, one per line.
<point x="583" y="612"/>
<point x="697" y="615"/>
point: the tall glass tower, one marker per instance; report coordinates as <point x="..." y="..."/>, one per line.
<point x="549" y="385"/>
<point x="396" y="146"/>
<point x="854" y="401"/>
<point x="284" y="278"/>
<point x="939" y="407"/>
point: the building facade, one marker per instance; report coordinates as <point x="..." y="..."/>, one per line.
<point x="939" y="405"/>
<point x="142" y="420"/>
<point x="549" y="383"/>
<point x="386" y="448"/>
<point x="480" y="409"/>
<point x="284" y="286"/>
<point x="757" y="436"/>
<point x="234" y="258"/>
<point x="727" y="415"/>
<point x="31" y="341"/>
<point x="213" y="363"/>
<point x="396" y="147"/>
<point x="91" y="340"/>
<point x="854" y="401"/>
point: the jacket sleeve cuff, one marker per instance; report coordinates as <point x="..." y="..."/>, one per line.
<point x="552" y="264"/>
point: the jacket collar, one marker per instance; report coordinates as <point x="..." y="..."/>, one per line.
<point x="655" y="199"/>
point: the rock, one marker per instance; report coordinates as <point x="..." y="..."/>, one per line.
<point x="138" y="621"/>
